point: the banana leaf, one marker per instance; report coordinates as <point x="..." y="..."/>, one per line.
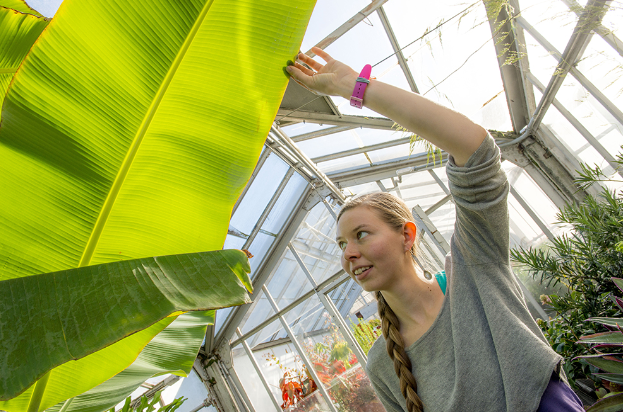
<point x="19" y="5"/>
<point x="184" y="335"/>
<point x="138" y="293"/>
<point x="130" y="130"/>
<point x="18" y="32"/>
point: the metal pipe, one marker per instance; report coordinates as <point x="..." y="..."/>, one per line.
<point x="320" y="133"/>
<point x="237" y="385"/>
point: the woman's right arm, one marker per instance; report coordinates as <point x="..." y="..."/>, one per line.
<point x="443" y="127"/>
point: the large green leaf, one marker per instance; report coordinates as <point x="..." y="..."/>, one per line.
<point x="70" y="379"/>
<point x="19" y="5"/>
<point x="94" y="306"/>
<point x="132" y="126"/>
<point x="18" y="32"/>
<point x="172" y="351"/>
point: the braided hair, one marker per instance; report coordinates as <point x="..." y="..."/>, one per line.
<point x="395" y="213"/>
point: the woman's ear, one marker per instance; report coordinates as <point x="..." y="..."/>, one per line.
<point x="409" y="231"/>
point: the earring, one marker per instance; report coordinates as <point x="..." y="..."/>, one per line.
<point x="427" y="275"/>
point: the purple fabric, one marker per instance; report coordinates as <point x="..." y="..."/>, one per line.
<point x="559" y="397"/>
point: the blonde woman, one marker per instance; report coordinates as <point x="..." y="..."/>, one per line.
<point x="464" y="339"/>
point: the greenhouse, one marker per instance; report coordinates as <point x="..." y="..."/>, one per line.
<point x="145" y="144"/>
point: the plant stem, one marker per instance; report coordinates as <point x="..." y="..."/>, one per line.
<point x="37" y="393"/>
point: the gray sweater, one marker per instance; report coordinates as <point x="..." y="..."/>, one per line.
<point x="484" y="352"/>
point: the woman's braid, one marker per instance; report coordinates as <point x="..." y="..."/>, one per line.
<point x="396" y="350"/>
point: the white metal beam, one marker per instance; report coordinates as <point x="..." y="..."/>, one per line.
<point x="578" y="126"/>
<point x="394" y="42"/>
<point x="592" y="15"/>
<point x="344" y="28"/>
<point x="597" y="94"/>
<point x="602" y="30"/>
<point x="360" y="150"/>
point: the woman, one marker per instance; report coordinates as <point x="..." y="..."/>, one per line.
<point x="472" y="346"/>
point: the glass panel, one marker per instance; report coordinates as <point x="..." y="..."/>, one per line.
<point x="259" y="248"/>
<point x="260" y="312"/>
<point x="259" y="194"/>
<point x="288" y="199"/>
<point x="191" y="388"/>
<point x="221" y="317"/>
<point x="328" y="15"/>
<point x="532" y="194"/>
<point x="337" y="368"/>
<point x="344" y="163"/>
<point x="446" y="63"/>
<point x="553" y="19"/>
<point x="542" y="63"/>
<point x="602" y="65"/>
<point x="233" y="242"/>
<point x="333" y="143"/>
<point x="251" y="382"/>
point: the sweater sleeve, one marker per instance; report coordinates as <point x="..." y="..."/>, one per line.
<point x="480" y="191"/>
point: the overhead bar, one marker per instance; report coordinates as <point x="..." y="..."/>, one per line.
<point x="592" y="15"/>
<point x="597" y="94"/>
<point x="394" y="42"/>
<point x="321" y="133"/>
<point x="360" y="150"/>
<point x="344" y="28"/>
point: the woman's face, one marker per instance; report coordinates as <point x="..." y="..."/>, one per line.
<point x="373" y="253"/>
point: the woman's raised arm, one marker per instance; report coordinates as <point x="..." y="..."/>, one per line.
<point x="443" y="127"/>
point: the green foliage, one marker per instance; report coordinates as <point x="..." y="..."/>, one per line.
<point x="589" y="175"/>
<point x="609" y="364"/>
<point x="106" y="157"/>
<point x="149" y="406"/>
<point x="366" y="332"/>
<point x="584" y="261"/>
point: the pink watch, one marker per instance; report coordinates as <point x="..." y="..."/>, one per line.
<point x="363" y="80"/>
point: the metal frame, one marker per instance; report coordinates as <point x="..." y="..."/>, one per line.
<point x="592" y="89"/>
<point x="301" y="352"/>
<point x="521" y="102"/>
<point x="349" y="24"/>
<point x="592" y="15"/>
<point x="602" y="30"/>
<point x="578" y="126"/>
<point x="394" y="42"/>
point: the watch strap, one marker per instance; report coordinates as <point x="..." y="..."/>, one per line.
<point x="356" y="100"/>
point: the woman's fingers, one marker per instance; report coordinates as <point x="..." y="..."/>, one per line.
<point x="322" y="54"/>
<point x="309" y="61"/>
<point x="304" y="69"/>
